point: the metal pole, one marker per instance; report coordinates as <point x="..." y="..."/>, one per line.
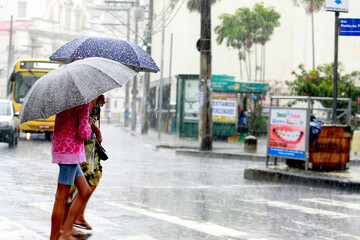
<point x="145" y="119"/>
<point x="127" y="88"/>
<point x="10" y="47"/>
<point x="169" y="95"/>
<point x="205" y="111"/>
<point x="162" y="75"/>
<point x="335" y="67"/>
<point x="134" y="90"/>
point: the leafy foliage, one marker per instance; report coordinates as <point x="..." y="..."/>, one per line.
<point x="245" y="28"/>
<point x="319" y="83"/>
<point x="194" y="5"/>
<point x="311" y="5"/>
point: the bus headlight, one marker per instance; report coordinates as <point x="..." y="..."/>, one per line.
<point x="27" y="136"/>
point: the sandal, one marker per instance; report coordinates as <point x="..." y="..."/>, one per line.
<point x="80" y="234"/>
<point x="83" y="225"/>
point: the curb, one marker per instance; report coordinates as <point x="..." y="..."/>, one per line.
<point x="209" y="154"/>
<point x="309" y="179"/>
<point x="239" y="156"/>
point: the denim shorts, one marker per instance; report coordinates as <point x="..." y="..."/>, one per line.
<point x="68" y="173"/>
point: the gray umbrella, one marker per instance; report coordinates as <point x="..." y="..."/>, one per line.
<point x="72" y="85"/>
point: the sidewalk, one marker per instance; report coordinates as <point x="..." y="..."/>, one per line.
<point x="348" y="180"/>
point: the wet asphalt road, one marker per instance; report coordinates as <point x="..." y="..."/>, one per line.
<point x="147" y="194"/>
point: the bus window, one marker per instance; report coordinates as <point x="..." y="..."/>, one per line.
<point x="23" y="83"/>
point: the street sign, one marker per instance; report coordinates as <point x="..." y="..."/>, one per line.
<point x="337" y="5"/>
<point x="349" y="26"/>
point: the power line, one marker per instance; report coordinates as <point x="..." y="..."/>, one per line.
<point x="168" y="22"/>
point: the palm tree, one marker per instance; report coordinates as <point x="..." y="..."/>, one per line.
<point x="312" y="6"/>
<point x="234" y="33"/>
<point x="245" y="28"/>
<point x="194" y="5"/>
<point x="267" y="19"/>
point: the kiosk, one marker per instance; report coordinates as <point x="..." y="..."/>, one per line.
<point x="224" y="116"/>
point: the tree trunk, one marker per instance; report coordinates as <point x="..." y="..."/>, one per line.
<point x="255" y="63"/>
<point x="246" y="65"/>
<point x="313" y="39"/>
<point x="249" y="61"/>
<point x="241" y="71"/>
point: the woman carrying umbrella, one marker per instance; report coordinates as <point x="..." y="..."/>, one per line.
<point x="92" y="168"/>
<point x="71" y="129"/>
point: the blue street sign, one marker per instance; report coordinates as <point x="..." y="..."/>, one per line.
<point x="349" y="26"/>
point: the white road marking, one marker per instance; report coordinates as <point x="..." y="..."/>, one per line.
<point x="204" y="227"/>
<point x="102" y="221"/>
<point x="307" y="210"/>
<point x="333" y="203"/>
<point x="12" y="230"/>
<point x="252" y="186"/>
<point x="231" y="186"/>
<point x="328" y="230"/>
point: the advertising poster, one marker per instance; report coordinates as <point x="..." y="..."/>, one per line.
<point x="224" y="107"/>
<point x="191" y="100"/>
<point x="287" y="133"/>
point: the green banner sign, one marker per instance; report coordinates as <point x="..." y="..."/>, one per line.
<point x="244" y="87"/>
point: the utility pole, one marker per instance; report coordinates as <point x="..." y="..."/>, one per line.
<point x="160" y="103"/>
<point x="145" y="113"/>
<point x="127" y="87"/>
<point x="134" y="90"/>
<point x="205" y="112"/>
<point x="337" y="26"/>
<point x="10" y="53"/>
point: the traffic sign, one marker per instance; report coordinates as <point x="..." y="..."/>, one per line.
<point x="337" y="5"/>
<point x="349" y="27"/>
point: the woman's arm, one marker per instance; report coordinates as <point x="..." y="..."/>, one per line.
<point x="84" y="130"/>
<point x="96" y="130"/>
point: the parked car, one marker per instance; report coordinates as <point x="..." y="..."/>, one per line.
<point x="9" y="123"/>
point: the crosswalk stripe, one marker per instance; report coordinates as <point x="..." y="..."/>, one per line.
<point x="333" y="203"/>
<point x="307" y="210"/>
<point x="12" y="230"/>
<point x="205" y="227"/>
<point x="134" y="234"/>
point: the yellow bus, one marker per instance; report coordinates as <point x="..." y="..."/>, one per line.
<point x="25" y="73"/>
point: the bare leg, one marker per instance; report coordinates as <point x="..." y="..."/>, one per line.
<point x="58" y="213"/>
<point x="80" y="220"/>
<point x="75" y="207"/>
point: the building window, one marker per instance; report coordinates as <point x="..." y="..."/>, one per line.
<point x="67" y="18"/>
<point x="77" y="21"/>
<point x="21" y="9"/>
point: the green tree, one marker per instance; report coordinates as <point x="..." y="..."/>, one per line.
<point x="319" y="83"/>
<point x="194" y="5"/>
<point x="244" y="29"/>
<point x="311" y="6"/>
<point x="268" y="20"/>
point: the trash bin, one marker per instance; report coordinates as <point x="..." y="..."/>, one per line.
<point x="250" y="144"/>
<point x="331" y="150"/>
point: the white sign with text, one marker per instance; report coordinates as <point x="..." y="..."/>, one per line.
<point x="337" y="5"/>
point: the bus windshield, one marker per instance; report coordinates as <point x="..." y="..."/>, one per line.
<point x="4" y="109"/>
<point x="23" y="83"/>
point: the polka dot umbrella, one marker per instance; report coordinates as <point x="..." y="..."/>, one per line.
<point x="125" y="52"/>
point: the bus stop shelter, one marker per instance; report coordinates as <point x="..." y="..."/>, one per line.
<point x="224" y="103"/>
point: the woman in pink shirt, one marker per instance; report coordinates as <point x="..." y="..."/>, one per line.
<point x="71" y="129"/>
